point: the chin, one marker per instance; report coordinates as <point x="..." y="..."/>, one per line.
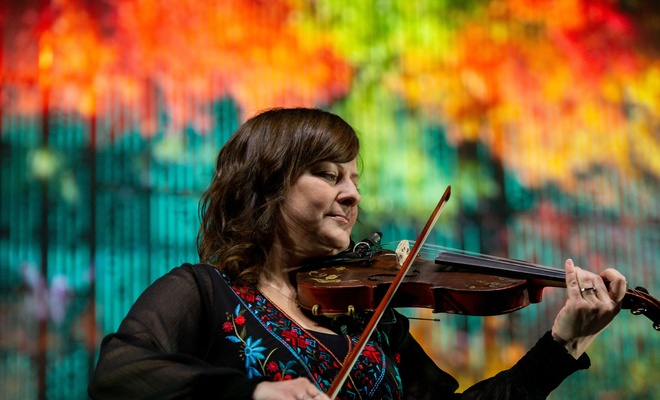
<point x="343" y="246"/>
<point x="337" y="246"/>
<point x="334" y="242"/>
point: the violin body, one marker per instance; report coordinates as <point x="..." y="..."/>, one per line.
<point x="360" y="285"/>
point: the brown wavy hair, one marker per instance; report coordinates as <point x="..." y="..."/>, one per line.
<point x="240" y="211"/>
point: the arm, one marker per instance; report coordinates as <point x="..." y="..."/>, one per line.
<point x="534" y="376"/>
<point x="554" y="357"/>
<point x="539" y="372"/>
<point x="562" y="351"/>
<point x="158" y="351"/>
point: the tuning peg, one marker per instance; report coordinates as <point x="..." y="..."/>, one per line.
<point x="641" y="289"/>
<point x="656" y="326"/>
<point x="639" y="309"/>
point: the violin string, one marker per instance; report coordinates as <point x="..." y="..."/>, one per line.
<point x="520" y="265"/>
<point x="489" y="257"/>
<point x="431" y="250"/>
<point x="426" y="319"/>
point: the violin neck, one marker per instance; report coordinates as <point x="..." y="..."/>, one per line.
<point x="540" y="275"/>
<point x="637" y="300"/>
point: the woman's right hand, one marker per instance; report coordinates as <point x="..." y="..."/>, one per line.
<point x="294" y="389"/>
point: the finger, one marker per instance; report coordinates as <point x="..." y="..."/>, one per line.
<point x="591" y="285"/>
<point x="572" y="285"/>
<point x="316" y="395"/>
<point x="618" y="286"/>
<point x="594" y="291"/>
<point x="313" y="393"/>
<point x="596" y="282"/>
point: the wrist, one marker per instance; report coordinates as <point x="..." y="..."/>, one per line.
<point x="575" y="346"/>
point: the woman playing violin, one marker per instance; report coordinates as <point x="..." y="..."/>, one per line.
<point x="285" y="190"/>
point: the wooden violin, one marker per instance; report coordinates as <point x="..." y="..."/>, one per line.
<point x="455" y="282"/>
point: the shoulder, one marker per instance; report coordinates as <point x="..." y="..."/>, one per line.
<point x="204" y="272"/>
<point x="205" y="277"/>
<point x="190" y="287"/>
<point x="186" y="283"/>
<point x="213" y="284"/>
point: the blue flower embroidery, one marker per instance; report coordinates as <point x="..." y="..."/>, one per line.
<point x="252" y="351"/>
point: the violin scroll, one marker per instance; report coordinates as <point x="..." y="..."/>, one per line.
<point x="640" y="302"/>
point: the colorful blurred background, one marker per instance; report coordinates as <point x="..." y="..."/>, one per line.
<point x="543" y="116"/>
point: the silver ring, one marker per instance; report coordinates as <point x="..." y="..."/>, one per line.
<point x="586" y="289"/>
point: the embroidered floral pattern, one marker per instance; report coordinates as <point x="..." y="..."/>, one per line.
<point x="252" y="352"/>
<point x="301" y="354"/>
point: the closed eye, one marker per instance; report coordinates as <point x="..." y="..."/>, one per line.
<point x="328" y="176"/>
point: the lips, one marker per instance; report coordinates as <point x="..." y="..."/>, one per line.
<point x="340" y="217"/>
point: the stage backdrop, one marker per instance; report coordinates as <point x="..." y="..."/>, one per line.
<point x="543" y="116"/>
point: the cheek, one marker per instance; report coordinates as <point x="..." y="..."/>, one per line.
<point x="313" y="203"/>
<point x="303" y="213"/>
<point x="354" y="214"/>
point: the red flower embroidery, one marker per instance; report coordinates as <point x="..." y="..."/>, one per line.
<point x="397" y="358"/>
<point x="292" y="337"/>
<point x="240" y="320"/>
<point x="372" y="354"/>
<point x="227" y="326"/>
<point x="278" y="377"/>
<point x="245" y="293"/>
<point x="272" y="367"/>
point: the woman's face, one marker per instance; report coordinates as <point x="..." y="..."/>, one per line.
<point x="321" y="208"/>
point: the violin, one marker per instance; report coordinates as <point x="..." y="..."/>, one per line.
<point x="456" y="282"/>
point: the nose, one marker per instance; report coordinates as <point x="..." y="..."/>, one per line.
<point x="348" y="194"/>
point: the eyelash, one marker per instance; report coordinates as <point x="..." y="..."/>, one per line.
<point x="332" y="177"/>
<point x="329" y="176"/>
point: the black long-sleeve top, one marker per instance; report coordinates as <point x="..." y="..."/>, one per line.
<point x="195" y="334"/>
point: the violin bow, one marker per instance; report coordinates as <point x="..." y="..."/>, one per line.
<point x="378" y="313"/>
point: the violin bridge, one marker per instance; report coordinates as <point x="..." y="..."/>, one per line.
<point x="402" y="252"/>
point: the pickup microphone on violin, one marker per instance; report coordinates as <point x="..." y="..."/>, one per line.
<point x="367" y="243"/>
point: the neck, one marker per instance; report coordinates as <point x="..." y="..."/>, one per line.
<point x="282" y="266"/>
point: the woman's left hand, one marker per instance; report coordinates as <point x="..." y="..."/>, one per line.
<point x="590" y="307"/>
